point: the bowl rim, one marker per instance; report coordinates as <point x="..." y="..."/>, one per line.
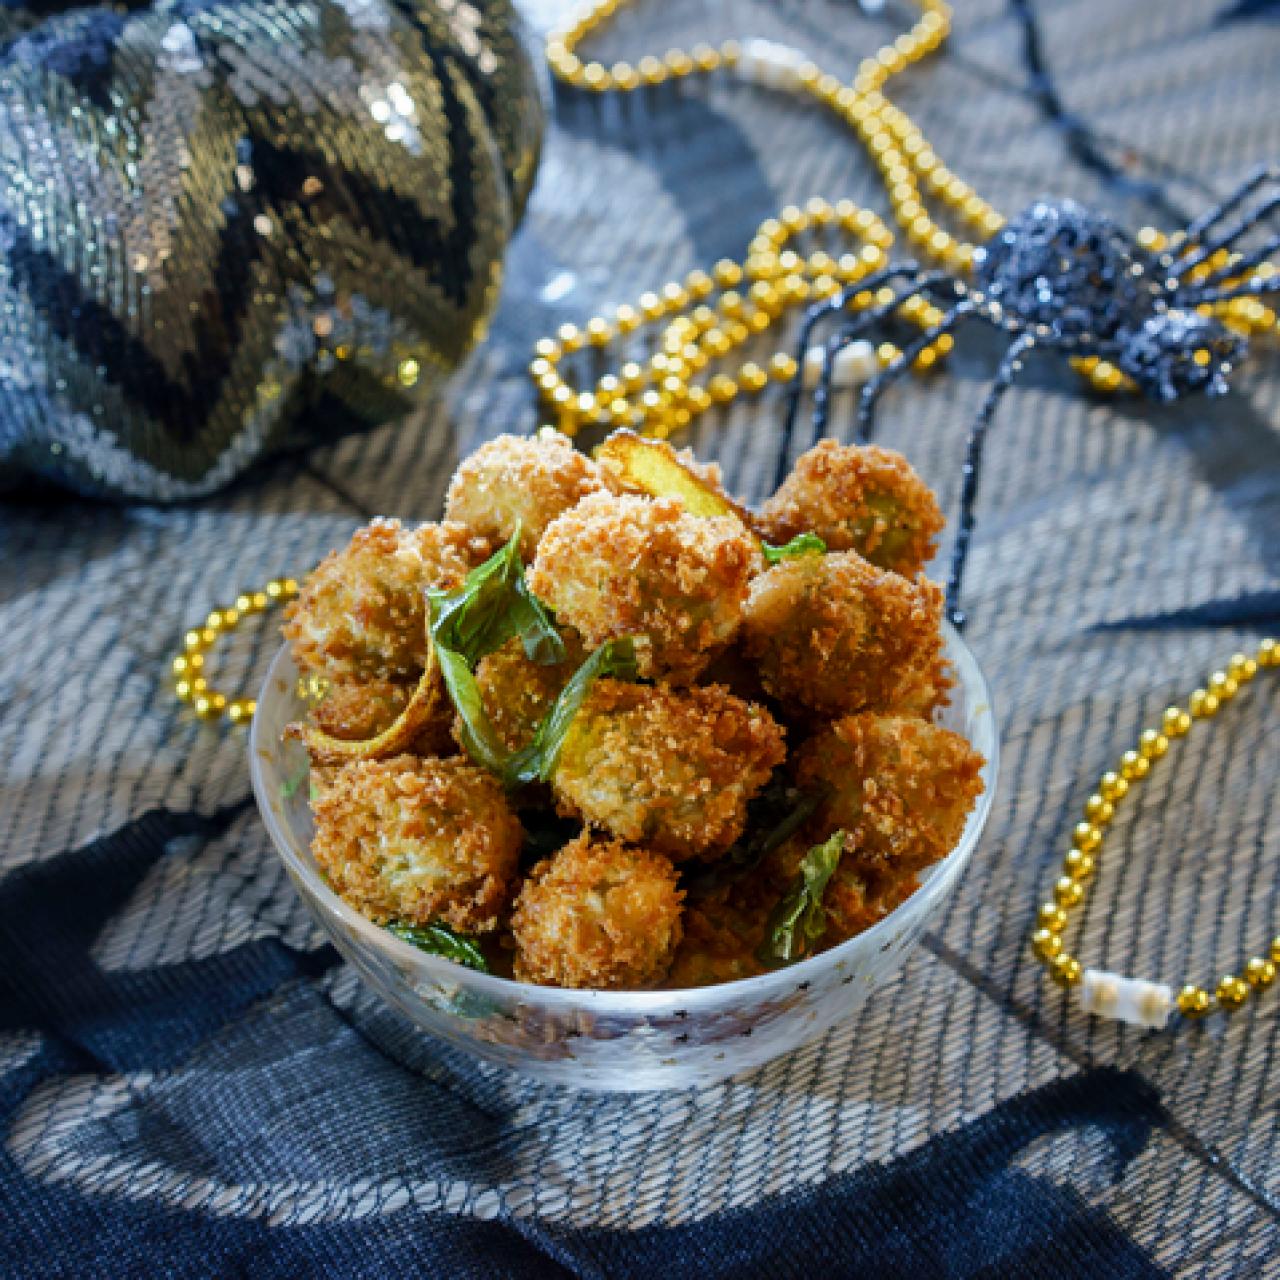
<point x="680" y="1000"/>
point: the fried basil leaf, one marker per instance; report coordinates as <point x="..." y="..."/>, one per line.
<point x="493" y="604"/>
<point x="440" y="940"/>
<point x="475" y="729"/>
<point x="804" y="544"/>
<point x="537" y="761"/>
<point x="799" y="921"/>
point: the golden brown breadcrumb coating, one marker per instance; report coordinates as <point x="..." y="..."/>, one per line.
<point x="419" y="840"/>
<point x="857" y="498"/>
<point x="723" y="931"/>
<point x="622" y="565"/>
<point x="899" y="787"/>
<point x="861" y="893"/>
<point x="517" y="692"/>
<point x="835" y="634"/>
<point x="669" y="768"/>
<point x="361" y="612"/>
<point x="530" y="479"/>
<point x="924" y="689"/>
<point x="597" y="914"/>
<point x="356" y="710"/>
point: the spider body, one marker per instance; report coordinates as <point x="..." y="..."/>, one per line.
<point x="1073" y="277"/>
<point x="1066" y="278"/>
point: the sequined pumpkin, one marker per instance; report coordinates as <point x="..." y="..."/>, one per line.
<point x="227" y="226"/>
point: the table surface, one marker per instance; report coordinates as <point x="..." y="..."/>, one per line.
<point x="180" y="1054"/>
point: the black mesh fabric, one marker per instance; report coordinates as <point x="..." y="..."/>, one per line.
<point x="190" y="1084"/>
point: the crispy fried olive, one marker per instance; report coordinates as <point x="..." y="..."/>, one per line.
<point x="597" y="914"/>
<point x="899" y="787"/>
<point x="622" y="565"/>
<point x="361" y="612"/>
<point x="669" y="768"/>
<point x="835" y="634"/>
<point x="861" y="893"/>
<point x="419" y="840"/>
<point x="525" y="479"/>
<point x="857" y="498"/>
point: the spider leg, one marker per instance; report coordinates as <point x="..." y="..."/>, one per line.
<point x="1245" y="289"/>
<point x="1259" y="178"/>
<point x="849" y="334"/>
<point x="850" y="330"/>
<point x="1242" y="226"/>
<point x="1244" y="263"/>
<point x="1010" y="367"/>
<point x="874" y="389"/>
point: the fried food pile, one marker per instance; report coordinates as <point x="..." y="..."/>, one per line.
<point x="605" y="728"/>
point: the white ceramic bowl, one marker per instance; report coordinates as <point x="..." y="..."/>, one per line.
<point x="609" y="1040"/>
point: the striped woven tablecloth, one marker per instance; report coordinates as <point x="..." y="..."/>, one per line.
<point x="191" y="1084"/>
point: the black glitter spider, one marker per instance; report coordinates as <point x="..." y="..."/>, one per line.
<point x="1066" y="278"/>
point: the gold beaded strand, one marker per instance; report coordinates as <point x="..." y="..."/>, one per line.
<point x="658" y="398"/>
<point x="1080" y="861"/>
<point x="190" y="683"/>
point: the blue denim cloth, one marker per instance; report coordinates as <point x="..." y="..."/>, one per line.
<point x="191" y="1084"/>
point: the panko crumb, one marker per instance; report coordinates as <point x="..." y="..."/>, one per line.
<point x="857" y="498"/>
<point x="834" y="634"/>
<point x="361" y="612"/>
<point x="355" y="711"/>
<point x="599" y="914"/>
<point x="622" y="565"/>
<point x="529" y="479"/>
<point x="419" y="841"/>
<point x="900" y="788"/>
<point x="670" y="768"/>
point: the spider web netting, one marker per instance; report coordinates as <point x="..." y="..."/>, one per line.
<point x="235" y="1084"/>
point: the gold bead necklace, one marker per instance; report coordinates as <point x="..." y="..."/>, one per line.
<point x="663" y="395"/>
<point x="1146" y="1003"/>
<point x="190" y="683"/>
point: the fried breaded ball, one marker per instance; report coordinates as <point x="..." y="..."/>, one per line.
<point x="517" y="692"/>
<point x="669" y="768"/>
<point x="361" y="612"/>
<point x="530" y="479"/>
<point x="899" y="787"/>
<point x="419" y="840"/>
<point x="834" y="634"/>
<point x="597" y="914"/>
<point x="622" y="565"/>
<point x="355" y="711"/>
<point x="723" y="931"/>
<point x="926" y="688"/>
<point x="857" y="498"/>
<point x="861" y="893"/>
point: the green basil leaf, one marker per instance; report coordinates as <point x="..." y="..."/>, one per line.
<point x="475" y="729"/>
<point x="804" y="544"/>
<point x="537" y="761"/>
<point x="798" y="922"/>
<point x="440" y="940"/>
<point x="494" y="604"/>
